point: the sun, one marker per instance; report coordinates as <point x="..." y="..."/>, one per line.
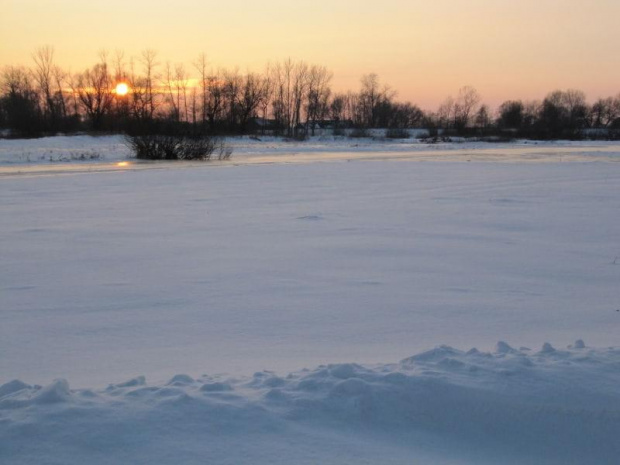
<point x="122" y="89"/>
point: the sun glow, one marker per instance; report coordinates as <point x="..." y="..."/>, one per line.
<point x="122" y="163"/>
<point x="122" y="89"/>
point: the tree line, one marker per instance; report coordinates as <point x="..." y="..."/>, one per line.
<point x="289" y="98"/>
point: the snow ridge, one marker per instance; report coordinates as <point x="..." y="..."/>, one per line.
<point x="509" y="406"/>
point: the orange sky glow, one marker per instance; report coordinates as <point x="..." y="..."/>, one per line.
<point x="425" y="50"/>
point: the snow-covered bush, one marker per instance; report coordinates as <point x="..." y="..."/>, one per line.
<point x="224" y="151"/>
<point x="171" y="146"/>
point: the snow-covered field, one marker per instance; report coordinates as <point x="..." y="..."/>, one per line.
<point x="317" y="266"/>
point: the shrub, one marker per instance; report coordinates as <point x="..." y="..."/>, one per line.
<point x="224" y="151"/>
<point x="171" y="147"/>
<point x="153" y="141"/>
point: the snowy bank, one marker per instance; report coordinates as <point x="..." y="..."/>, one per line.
<point x="512" y="406"/>
<point x="61" y="151"/>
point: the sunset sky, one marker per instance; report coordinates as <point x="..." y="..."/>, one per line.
<point x="424" y="49"/>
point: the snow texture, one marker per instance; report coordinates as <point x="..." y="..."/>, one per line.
<point x="442" y="406"/>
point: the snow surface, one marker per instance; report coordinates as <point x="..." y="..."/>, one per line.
<point x="276" y="260"/>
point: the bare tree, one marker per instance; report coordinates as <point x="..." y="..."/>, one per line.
<point x="373" y="98"/>
<point x="511" y="115"/>
<point x="356" y="109"/>
<point x="268" y="88"/>
<point x="465" y="106"/>
<point x="318" y="94"/>
<point x="201" y="66"/>
<point x="215" y="99"/>
<point x="531" y="112"/>
<point x="279" y="79"/>
<point x="20" y="101"/>
<point x="614" y="112"/>
<point x="49" y="79"/>
<point x="482" y="119"/>
<point x="176" y="84"/>
<point x="44" y="62"/>
<point x="120" y="76"/>
<point x="138" y="101"/>
<point x="251" y="95"/>
<point x="231" y="91"/>
<point x="149" y="63"/>
<point x="337" y="111"/>
<point x="290" y="85"/>
<point x="95" y="93"/>
<point x="15" y="80"/>
<point x="72" y="82"/>
<point x="575" y="102"/>
<point x="563" y="114"/>
<point x="119" y="66"/>
<point x="59" y="97"/>
<point x="181" y="78"/>
<point x="300" y="86"/>
<point x="169" y="84"/>
<point x="445" y="112"/>
<point x="369" y="96"/>
<point x="402" y="115"/>
<point x="605" y="112"/>
<point x="194" y="106"/>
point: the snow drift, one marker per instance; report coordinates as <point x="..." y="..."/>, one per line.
<point x="445" y="405"/>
